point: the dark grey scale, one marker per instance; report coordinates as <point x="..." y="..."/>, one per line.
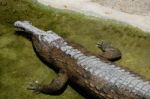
<point x="117" y="72"/>
<point x="118" y="68"/>
<point x="104" y="66"/>
<point x="129" y="84"/>
<point x="105" y="71"/>
<point x="111" y="70"/>
<point x="113" y="66"/>
<point x="96" y="70"/>
<point x="116" y="76"/>
<point x="118" y="90"/>
<point x="101" y="75"/>
<point x="118" y="84"/>
<point x="88" y="59"/>
<point x="83" y="60"/>
<point x="88" y="68"/>
<point x="91" y="70"/>
<point x="95" y="63"/>
<point x="92" y="59"/>
<point x="146" y="88"/>
<point x="87" y="75"/>
<point x="98" y="67"/>
<point x="84" y="66"/>
<point x="74" y="52"/>
<point x="113" y="88"/>
<point x="65" y="48"/>
<point x="106" y="88"/>
<point x="68" y="50"/>
<point x="41" y="37"/>
<point x="121" y="80"/>
<point x="60" y="43"/>
<point x="128" y="79"/>
<point x="82" y="57"/>
<point x="55" y="44"/>
<point x="122" y="70"/>
<point x="134" y="83"/>
<point x="99" y="87"/>
<point x="137" y="87"/>
<point x="78" y="55"/>
<point x="147" y="94"/>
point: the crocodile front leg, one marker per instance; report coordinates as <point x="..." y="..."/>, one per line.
<point x="109" y="52"/>
<point x="54" y="87"/>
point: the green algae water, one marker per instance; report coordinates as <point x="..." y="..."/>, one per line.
<point x="19" y="64"/>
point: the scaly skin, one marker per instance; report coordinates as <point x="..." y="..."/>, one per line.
<point x="99" y="77"/>
<point x="109" y="52"/>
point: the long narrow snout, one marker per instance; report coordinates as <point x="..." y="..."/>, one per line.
<point x="26" y="26"/>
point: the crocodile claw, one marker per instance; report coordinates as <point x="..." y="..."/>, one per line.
<point x="99" y="44"/>
<point x="35" y="86"/>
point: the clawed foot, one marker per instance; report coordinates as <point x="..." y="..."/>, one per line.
<point x="99" y="44"/>
<point x="35" y="86"/>
<point x="103" y="44"/>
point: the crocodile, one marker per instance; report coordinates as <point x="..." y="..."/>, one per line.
<point x="95" y="75"/>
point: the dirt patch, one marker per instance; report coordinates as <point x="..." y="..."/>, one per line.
<point x="140" y="7"/>
<point x="133" y="12"/>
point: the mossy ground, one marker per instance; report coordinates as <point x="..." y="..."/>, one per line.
<point x="19" y="65"/>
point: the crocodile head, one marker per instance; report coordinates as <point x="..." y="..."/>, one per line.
<point x="19" y="26"/>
